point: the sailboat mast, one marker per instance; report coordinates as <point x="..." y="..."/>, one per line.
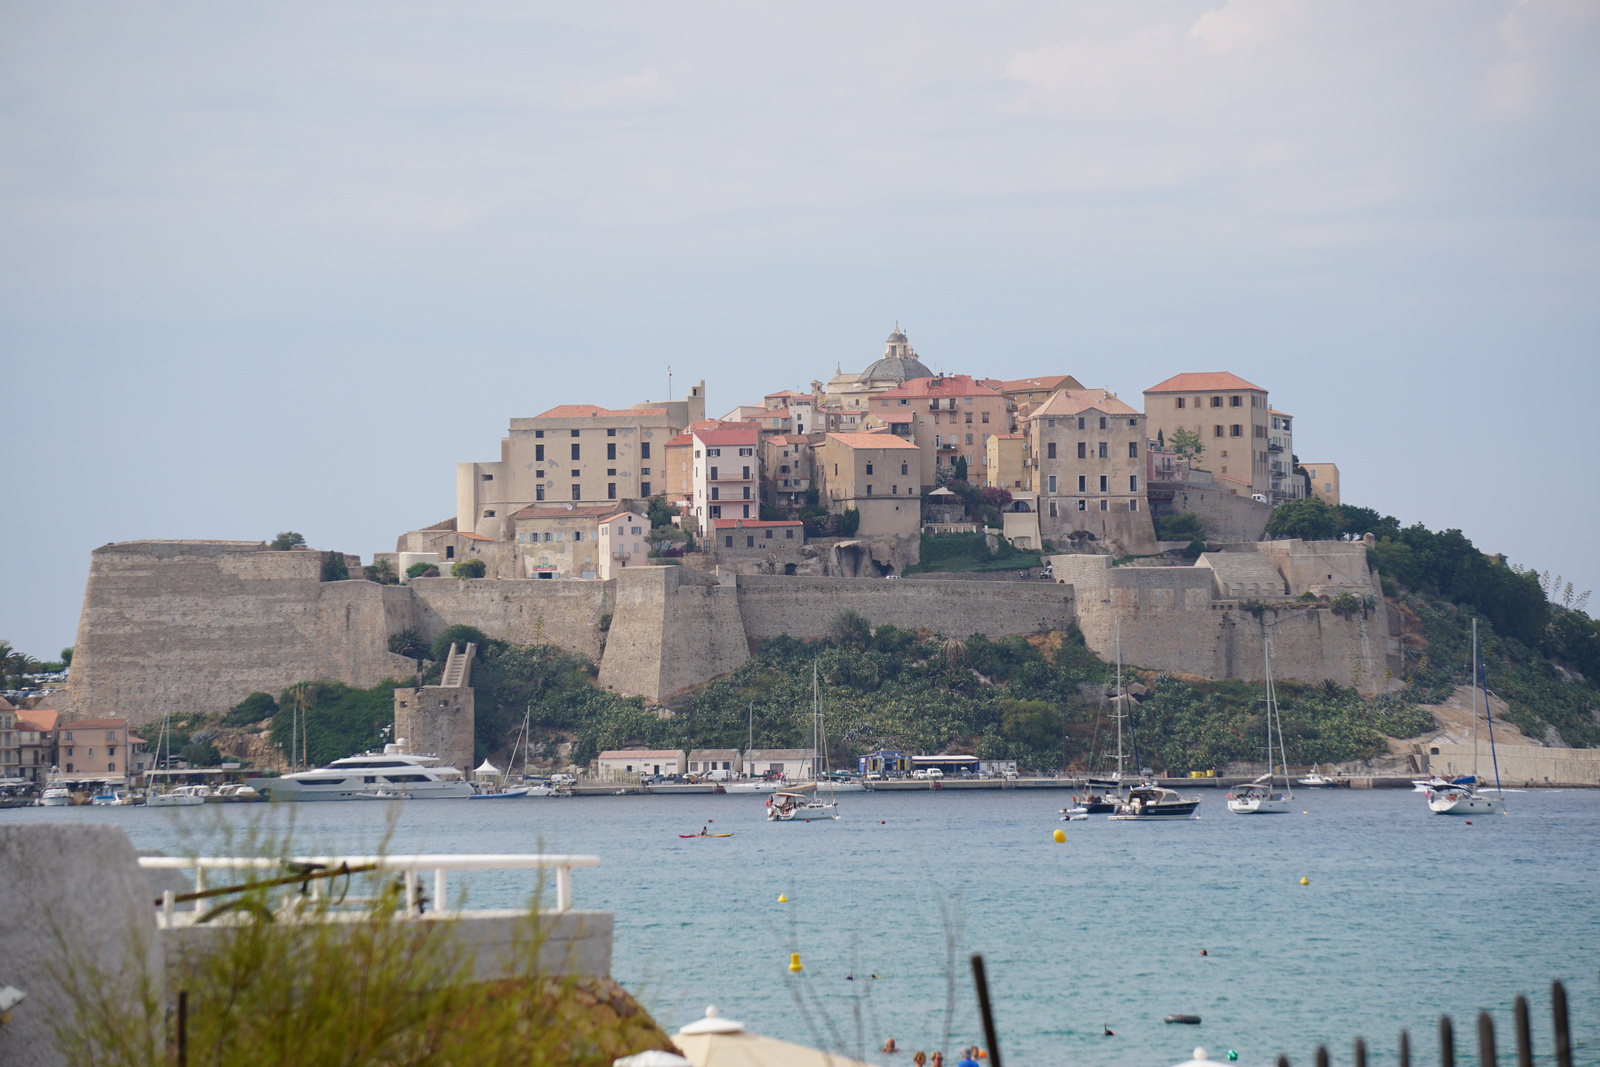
<point x="1474" y="704"/>
<point x="1118" y="698"/>
<point x="1277" y="714"/>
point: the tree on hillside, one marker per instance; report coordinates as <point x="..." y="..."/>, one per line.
<point x="1182" y="527"/>
<point x="850" y="629"/>
<point x="661" y="513"/>
<point x="1186" y="443"/>
<point x="380" y="571"/>
<point x="334" y="568"/>
<point x="287" y="540"/>
<point x="1309" y="520"/>
<point x="469" y="568"/>
<point x="66" y="656"/>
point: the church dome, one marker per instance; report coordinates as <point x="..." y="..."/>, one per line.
<point x="899" y="363"/>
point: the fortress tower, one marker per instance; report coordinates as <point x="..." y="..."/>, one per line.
<point x="440" y="720"/>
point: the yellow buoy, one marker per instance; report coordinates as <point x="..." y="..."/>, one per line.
<point x="782" y="899"/>
<point x="1304" y="880"/>
<point x="794" y="962"/>
<point x="1060" y="836"/>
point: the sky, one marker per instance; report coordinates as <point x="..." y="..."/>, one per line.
<point x="281" y="266"/>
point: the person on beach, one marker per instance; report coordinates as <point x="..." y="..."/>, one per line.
<point x="969" y="1057"/>
<point x="920" y="1059"/>
<point x="889" y="1046"/>
<point x="936" y="1060"/>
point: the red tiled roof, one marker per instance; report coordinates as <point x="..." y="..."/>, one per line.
<point x="949" y="385"/>
<point x="44" y="719"/>
<point x="1046" y="381"/>
<point x="779" y="413"/>
<point x="871" y="440"/>
<point x="594" y="411"/>
<point x="751" y="524"/>
<point x="1074" y="401"/>
<point x="681" y="439"/>
<point x="619" y="514"/>
<point x="1275" y="411"/>
<point x="788" y="438"/>
<point x="6" y="705"/>
<point x="730" y="434"/>
<point x="1201" y="382"/>
<point x="471" y="536"/>
<point x="791" y="392"/>
<point x="558" y="511"/>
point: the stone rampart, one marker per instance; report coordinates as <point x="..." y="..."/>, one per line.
<point x="806" y="607"/>
<point x="672" y="628"/>
<point x="545" y="611"/>
<point x="1520" y="765"/>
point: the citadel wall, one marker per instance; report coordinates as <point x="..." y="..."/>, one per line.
<point x="546" y="611"/>
<point x="805" y="607"/>
<point x="673" y="627"/>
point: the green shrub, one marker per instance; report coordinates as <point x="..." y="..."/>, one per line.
<point x="251" y="710"/>
<point x="469" y="568"/>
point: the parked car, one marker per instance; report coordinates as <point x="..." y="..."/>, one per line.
<point x="927" y="772"/>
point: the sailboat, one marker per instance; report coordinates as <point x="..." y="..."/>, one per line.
<point x="751" y="785"/>
<point x="499" y="784"/>
<point x="806" y="804"/>
<point x="184" y="796"/>
<point x="1462" y="797"/>
<point x="1100" y="796"/>
<point x="1258" y="797"/>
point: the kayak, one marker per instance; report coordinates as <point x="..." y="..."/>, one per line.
<point x="705" y="835"/>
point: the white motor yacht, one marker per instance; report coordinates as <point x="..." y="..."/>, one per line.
<point x="183" y="796"/>
<point x="390" y="774"/>
<point x="55" y="797"/>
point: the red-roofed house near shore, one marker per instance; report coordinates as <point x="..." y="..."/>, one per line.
<point x="1232" y="418"/>
<point x="1086" y="449"/>
<point x="579" y="454"/>
<point x="36" y="742"/>
<point x="949" y="417"/>
<point x="10" y="760"/>
<point x="93" y="750"/>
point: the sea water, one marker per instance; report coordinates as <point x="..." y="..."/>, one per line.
<point x="1407" y="914"/>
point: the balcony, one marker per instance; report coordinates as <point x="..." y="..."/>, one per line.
<point x="1276" y="444"/>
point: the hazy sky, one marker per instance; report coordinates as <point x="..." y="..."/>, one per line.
<point x="281" y="266"/>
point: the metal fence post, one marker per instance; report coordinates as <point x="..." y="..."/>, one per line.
<point x="1405" y="1049"/>
<point x="1361" y="1052"/>
<point x="1524" y="1032"/>
<point x="1322" y="1056"/>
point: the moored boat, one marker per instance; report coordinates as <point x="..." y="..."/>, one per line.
<point x="392" y="771"/>
<point x="1259" y="798"/>
<point x="800" y="807"/>
<point x="55" y="797"/>
<point x="1466" y="799"/>
<point x="183" y="796"/>
<point x="1147" y="802"/>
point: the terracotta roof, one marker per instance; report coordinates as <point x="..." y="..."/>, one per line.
<point x="558" y="511"/>
<point x="1074" y="401"/>
<point x="594" y="411"/>
<point x="681" y="439"/>
<point x="95" y="724"/>
<point x="730" y="434"/>
<point x="39" y="719"/>
<point x="470" y="535"/>
<point x="1046" y="381"/>
<point x="779" y="413"/>
<point x="1201" y="382"/>
<point x="1007" y="436"/>
<point x="751" y="524"/>
<point x="6" y="705"/>
<point x="949" y="385"/>
<point x="791" y="392"/>
<point x="135" y="739"/>
<point x="871" y="440"/>
<point x="1275" y="411"/>
<point x="619" y="514"/>
<point x="789" y="438"/>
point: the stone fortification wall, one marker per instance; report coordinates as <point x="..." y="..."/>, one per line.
<point x="805" y="607"/>
<point x="1520" y="765"/>
<point x="561" y="612"/>
<point x="673" y="628"/>
<point x="1226" y="517"/>
<point x="198" y="625"/>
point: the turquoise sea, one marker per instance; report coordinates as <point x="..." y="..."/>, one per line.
<point x="1407" y="914"/>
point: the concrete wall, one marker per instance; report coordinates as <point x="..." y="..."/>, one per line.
<point x="806" y="607"/>
<point x="1226" y="517"/>
<point x="1519" y="764"/>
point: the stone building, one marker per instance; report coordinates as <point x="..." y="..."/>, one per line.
<point x="627" y="761"/>
<point x="573" y="453"/>
<point x="1286" y="484"/>
<point x="622" y="541"/>
<point x="562" y="541"/>
<point x="948" y="417"/>
<point x="754" y="546"/>
<point x="441" y="720"/>
<point x="786" y="468"/>
<point x="1232" y="418"/>
<point x="844" y="400"/>
<point x="706" y="760"/>
<point x="877" y="475"/>
<point x="1324" y="482"/>
<point x="1086" y="458"/>
<point x="1027" y="393"/>
<point x="1007" y="462"/>
<point x="36" y="742"/>
<point x="10" y="756"/>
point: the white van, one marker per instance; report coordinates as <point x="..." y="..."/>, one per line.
<point x="719" y="775"/>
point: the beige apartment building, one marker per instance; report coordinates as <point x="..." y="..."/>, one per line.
<point x="1286" y="484"/>
<point x="36" y="742"/>
<point x="10" y="748"/>
<point x="1027" y="393"/>
<point x="580" y="454"/>
<point x="560" y="541"/>
<point x="877" y="475"/>
<point x="93" y="750"/>
<point x="726" y="472"/>
<point x="1008" y="462"/>
<point x="1232" y="418"/>
<point x="622" y="541"/>
<point x="948" y="417"/>
<point x="1324" y="482"/>
<point x="786" y="468"/>
<point x="1086" y="455"/>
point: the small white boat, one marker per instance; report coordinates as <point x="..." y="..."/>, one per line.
<point x="549" y="789"/>
<point x="1465" y="799"/>
<point x="1318" y="780"/>
<point x="1147" y="802"/>
<point x="183" y="796"/>
<point x="759" y="785"/>
<point x="55" y="797"/>
<point x="800" y="807"/>
<point x="1257" y="798"/>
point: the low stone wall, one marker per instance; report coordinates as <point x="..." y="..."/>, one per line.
<point x="806" y="607"/>
<point x="1520" y="765"/>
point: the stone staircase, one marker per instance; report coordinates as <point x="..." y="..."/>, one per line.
<point x="458" y="667"/>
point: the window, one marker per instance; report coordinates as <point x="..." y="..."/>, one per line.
<point x="1053" y="512"/>
<point x="576" y="451"/>
<point x="539" y="434"/>
<point x="713" y="451"/>
<point x="1216" y="431"/>
<point x="966" y="400"/>
<point x="789" y="534"/>
<point x="1083" y="450"/>
<point x="1216" y="401"/>
<point x="1104" y="486"/>
<point x="634" y="531"/>
<point x="1050" y="450"/>
<point x="894" y="490"/>
<point x="713" y="474"/>
<point x="747" y="511"/>
<point x="716" y="493"/>
<point x="1133" y="505"/>
<point x="747" y="495"/>
<point x="576" y="474"/>
<point x="1233" y="402"/>
<point x="1133" y="449"/>
<point x="538" y="492"/>
<point x="728" y="541"/>
<point x="905" y="468"/>
<point x="969" y="418"/>
<point x="644" y="449"/>
<point x="488" y="477"/>
<point x="1083" y="505"/>
<point x="716" y="511"/>
<point x="1178" y="402"/>
<point x="869" y="468"/>
<point x="538" y="453"/>
<point x="1083" y="483"/>
<point x="488" y="514"/>
<point x="611" y="472"/>
<point x="969" y="438"/>
<point x="644" y="488"/>
<point x="746" y="472"/>
<point x="1080" y="422"/>
<point x="1133" y="483"/>
<point x="1052" y="483"/>
<point x="769" y="534"/>
<point x="1102" y="422"/>
<point x="611" y="490"/>
<point x="611" y="450"/>
<point x="449" y="551"/>
<point x="747" y="451"/>
<point x="577" y="535"/>
<point x="1105" y="505"/>
<point x="1133" y="422"/>
<point x="985" y="417"/>
<point x="611" y="433"/>
<point x="561" y="536"/>
<point x="904" y="401"/>
<point x="1236" y="431"/>
<point x="577" y="492"/>
<point x="869" y="490"/>
<point x="750" y="540"/>
<point x="1101" y="452"/>
<point x="538" y="474"/>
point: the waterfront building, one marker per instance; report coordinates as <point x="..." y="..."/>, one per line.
<point x="706" y="760"/>
<point x="10" y="758"/>
<point x="93" y="750"/>
<point x="36" y="742"/>
<point x="793" y="764"/>
<point x="615" y="762"/>
<point x="1231" y="417"/>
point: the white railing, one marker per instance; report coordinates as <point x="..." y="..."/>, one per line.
<point x="319" y="868"/>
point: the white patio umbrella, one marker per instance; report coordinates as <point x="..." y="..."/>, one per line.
<point x="653" y="1057"/>
<point x="717" y="1042"/>
<point x="1198" y="1061"/>
<point x="487" y="769"/>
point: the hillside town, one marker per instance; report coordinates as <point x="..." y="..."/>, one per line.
<point x="845" y="479"/>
